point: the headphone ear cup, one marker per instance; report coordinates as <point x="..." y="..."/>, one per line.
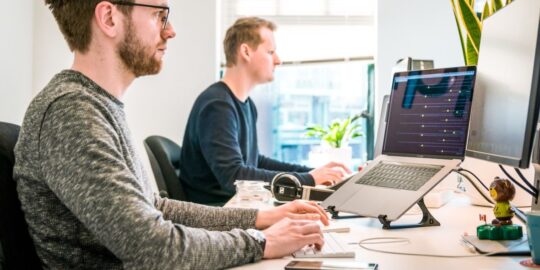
<point x="286" y="187"/>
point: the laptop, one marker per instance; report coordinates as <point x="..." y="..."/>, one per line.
<point x="425" y="133"/>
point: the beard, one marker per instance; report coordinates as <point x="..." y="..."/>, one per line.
<point x="136" y="57"/>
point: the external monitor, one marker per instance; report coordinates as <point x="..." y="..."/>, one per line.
<point x="506" y="99"/>
<point x="505" y="106"/>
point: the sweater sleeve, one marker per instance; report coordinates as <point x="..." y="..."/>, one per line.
<point x="207" y="217"/>
<point x="84" y="165"/>
<point x="218" y="133"/>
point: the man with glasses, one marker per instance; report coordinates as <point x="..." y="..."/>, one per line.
<point x="84" y="192"/>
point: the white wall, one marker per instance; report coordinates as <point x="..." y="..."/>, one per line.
<point x="16" y="68"/>
<point x="161" y="104"/>
<point x="422" y="29"/>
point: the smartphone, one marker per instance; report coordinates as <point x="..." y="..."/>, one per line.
<point x="321" y="265"/>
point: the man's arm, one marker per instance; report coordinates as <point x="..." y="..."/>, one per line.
<point x="218" y="139"/>
<point x="84" y="164"/>
<point x="207" y="217"/>
<point x="276" y="165"/>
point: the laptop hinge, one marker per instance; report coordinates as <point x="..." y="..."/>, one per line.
<point x="427" y="219"/>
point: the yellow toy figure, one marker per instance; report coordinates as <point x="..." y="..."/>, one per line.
<point x="502" y="191"/>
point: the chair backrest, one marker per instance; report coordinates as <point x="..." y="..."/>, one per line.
<point x="164" y="156"/>
<point x="17" y="246"/>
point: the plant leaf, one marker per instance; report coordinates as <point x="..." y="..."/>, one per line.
<point x="462" y="35"/>
<point x="470" y="26"/>
<point x="496" y="5"/>
<point x="487" y="12"/>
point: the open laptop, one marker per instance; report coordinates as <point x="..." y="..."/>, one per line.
<point x="426" y="133"/>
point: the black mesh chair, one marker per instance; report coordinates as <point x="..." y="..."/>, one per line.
<point x="17" y="246"/>
<point x="164" y="156"/>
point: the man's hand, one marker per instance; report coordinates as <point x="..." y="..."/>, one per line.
<point x="289" y="235"/>
<point x="329" y="174"/>
<point x="295" y="210"/>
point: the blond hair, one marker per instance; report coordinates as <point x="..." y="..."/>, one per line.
<point x="244" y="30"/>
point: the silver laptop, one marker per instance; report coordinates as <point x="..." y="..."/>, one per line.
<point x="425" y="137"/>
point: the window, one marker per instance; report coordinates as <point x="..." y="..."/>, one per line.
<point x="327" y="49"/>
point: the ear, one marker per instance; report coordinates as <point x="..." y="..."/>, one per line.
<point x="244" y="52"/>
<point x="107" y="18"/>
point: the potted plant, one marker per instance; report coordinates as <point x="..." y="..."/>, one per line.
<point x="469" y="25"/>
<point x="334" y="140"/>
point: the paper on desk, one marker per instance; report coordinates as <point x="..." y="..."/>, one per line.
<point x="510" y="247"/>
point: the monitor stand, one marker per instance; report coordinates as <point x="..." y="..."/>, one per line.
<point x="427" y="219"/>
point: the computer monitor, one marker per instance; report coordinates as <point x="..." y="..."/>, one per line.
<point x="506" y="99"/>
<point x="504" y="114"/>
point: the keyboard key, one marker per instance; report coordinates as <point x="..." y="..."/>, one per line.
<point x="399" y="176"/>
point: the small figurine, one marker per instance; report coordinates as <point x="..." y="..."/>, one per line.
<point x="501" y="228"/>
<point x="502" y="191"/>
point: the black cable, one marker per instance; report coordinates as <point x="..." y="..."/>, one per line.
<point x="526" y="181"/>
<point x="474" y="185"/>
<point x="475" y="176"/>
<point x="519" y="213"/>
<point x="516" y="182"/>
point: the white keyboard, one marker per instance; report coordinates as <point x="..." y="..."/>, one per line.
<point x="331" y="249"/>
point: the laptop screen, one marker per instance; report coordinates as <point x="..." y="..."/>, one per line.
<point x="428" y="113"/>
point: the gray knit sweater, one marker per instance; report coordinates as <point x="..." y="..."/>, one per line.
<point x="87" y="199"/>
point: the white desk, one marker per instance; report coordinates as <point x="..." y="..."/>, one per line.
<point x="456" y="217"/>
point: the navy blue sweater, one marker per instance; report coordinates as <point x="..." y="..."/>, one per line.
<point x="220" y="146"/>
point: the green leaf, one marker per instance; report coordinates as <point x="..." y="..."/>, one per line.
<point x="470" y="29"/>
<point x="338" y="132"/>
<point x="496" y="5"/>
<point x="487" y="11"/>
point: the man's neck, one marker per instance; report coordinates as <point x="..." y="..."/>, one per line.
<point x="238" y="80"/>
<point x="104" y="70"/>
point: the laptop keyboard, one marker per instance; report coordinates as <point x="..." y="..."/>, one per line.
<point x="331" y="249"/>
<point x="399" y="175"/>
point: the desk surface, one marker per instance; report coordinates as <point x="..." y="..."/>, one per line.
<point x="456" y="218"/>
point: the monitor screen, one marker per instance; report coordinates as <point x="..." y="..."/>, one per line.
<point x="505" y="103"/>
<point x="428" y="113"/>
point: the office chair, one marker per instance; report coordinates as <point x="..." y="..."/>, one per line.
<point x="164" y="156"/>
<point x="17" y="246"/>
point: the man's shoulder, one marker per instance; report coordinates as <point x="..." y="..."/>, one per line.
<point x="216" y="91"/>
<point x="216" y="94"/>
<point x="69" y="89"/>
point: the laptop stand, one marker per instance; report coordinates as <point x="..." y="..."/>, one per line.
<point x="335" y="214"/>
<point x="427" y="219"/>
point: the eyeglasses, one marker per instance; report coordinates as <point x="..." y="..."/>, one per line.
<point x="164" y="16"/>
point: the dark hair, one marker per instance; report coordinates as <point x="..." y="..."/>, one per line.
<point x="244" y="30"/>
<point x="74" y="18"/>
